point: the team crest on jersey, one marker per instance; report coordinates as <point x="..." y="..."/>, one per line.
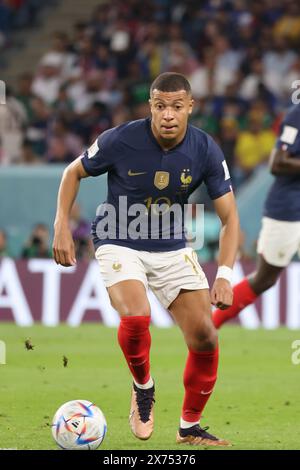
<point x="161" y="179"/>
<point x="185" y="178"/>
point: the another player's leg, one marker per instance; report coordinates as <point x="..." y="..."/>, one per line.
<point x="247" y="291"/>
<point x="130" y="300"/>
<point x="192" y="312"/>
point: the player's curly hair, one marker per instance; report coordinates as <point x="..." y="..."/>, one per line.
<point x="171" y="81"/>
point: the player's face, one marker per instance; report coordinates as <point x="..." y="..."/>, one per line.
<point x="170" y="112"/>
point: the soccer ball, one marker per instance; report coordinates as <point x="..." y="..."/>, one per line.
<point x="79" y="425"/>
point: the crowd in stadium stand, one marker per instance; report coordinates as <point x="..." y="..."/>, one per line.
<point x="16" y="14"/>
<point x="38" y="243"/>
<point x="240" y="56"/>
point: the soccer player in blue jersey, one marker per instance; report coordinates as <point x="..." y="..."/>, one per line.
<point x="279" y="239"/>
<point x="151" y="163"/>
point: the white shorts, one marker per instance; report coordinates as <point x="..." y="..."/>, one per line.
<point x="166" y="273"/>
<point x="278" y="241"/>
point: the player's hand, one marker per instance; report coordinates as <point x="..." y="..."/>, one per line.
<point x="63" y="247"/>
<point x="221" y="294"/>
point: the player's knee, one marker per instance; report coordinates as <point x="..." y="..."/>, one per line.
<point x="130" y="306"/>
<point x="205" y="339"/>
<point x="133" y="310"/>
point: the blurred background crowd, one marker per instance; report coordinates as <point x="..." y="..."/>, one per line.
<point x="240" y="56"/>
<point x="16" y="14"/>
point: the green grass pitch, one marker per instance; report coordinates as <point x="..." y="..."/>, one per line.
<point x="255" y="404"/>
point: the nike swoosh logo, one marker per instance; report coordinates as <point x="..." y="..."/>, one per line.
<point x="131" y="173"/>
<point x="206" y="393"/>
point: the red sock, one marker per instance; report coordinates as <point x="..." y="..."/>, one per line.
<point x="199" y="378"/>
<point x="243" y="295"/>
<point x="135" y="341"/>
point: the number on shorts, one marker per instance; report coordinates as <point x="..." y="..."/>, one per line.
<point x="194" y="261"/>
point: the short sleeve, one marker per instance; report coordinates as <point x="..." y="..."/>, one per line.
<point x="217" y="177"/>
<point x="98" y="158"/>
<point x="289" y="134"/>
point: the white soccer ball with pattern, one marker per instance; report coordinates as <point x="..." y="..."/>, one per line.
<point x="79" y="425"/>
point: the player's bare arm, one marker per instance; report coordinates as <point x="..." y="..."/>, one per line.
<point x="283" y="163"/>
<point x="63" y="244"/>
<point x="225" y="206"/>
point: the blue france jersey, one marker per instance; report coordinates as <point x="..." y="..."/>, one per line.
<point x="141" y="171"/>
<point x="283" y="200"/>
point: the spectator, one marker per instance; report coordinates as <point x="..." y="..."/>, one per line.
<point x="63" y="145"/>
<point x="80" y="229"/>
<point x="36" y="132"/>
<point x="254" y="145"/>
<point x="61" y="55"/>
<point x="203" y="117"/>
<point x="229" y="131"/>
<point x="28" y="156"/>
<point x="24" y="94"/>
<point x="277" y="63"/>
<point x="249" y="87"/>
<point x="12" y="122"/>
<point x="288" y="26"/>
<point x="38" y="244"/>
<point x="48" y="80"/>
<point x="227" y="61"/>
<point x="64" y="106"/>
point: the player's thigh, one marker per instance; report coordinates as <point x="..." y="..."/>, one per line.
<point x="124" y="276"/>
<point x="278" y="241"/>
<point x="170" y="272"/>
<point x="192" y="312"/>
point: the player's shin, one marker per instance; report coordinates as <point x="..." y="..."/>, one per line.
<point x="135" y="341"/>
<point x="243" y="295"/>
<point x="199" y="378"/>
